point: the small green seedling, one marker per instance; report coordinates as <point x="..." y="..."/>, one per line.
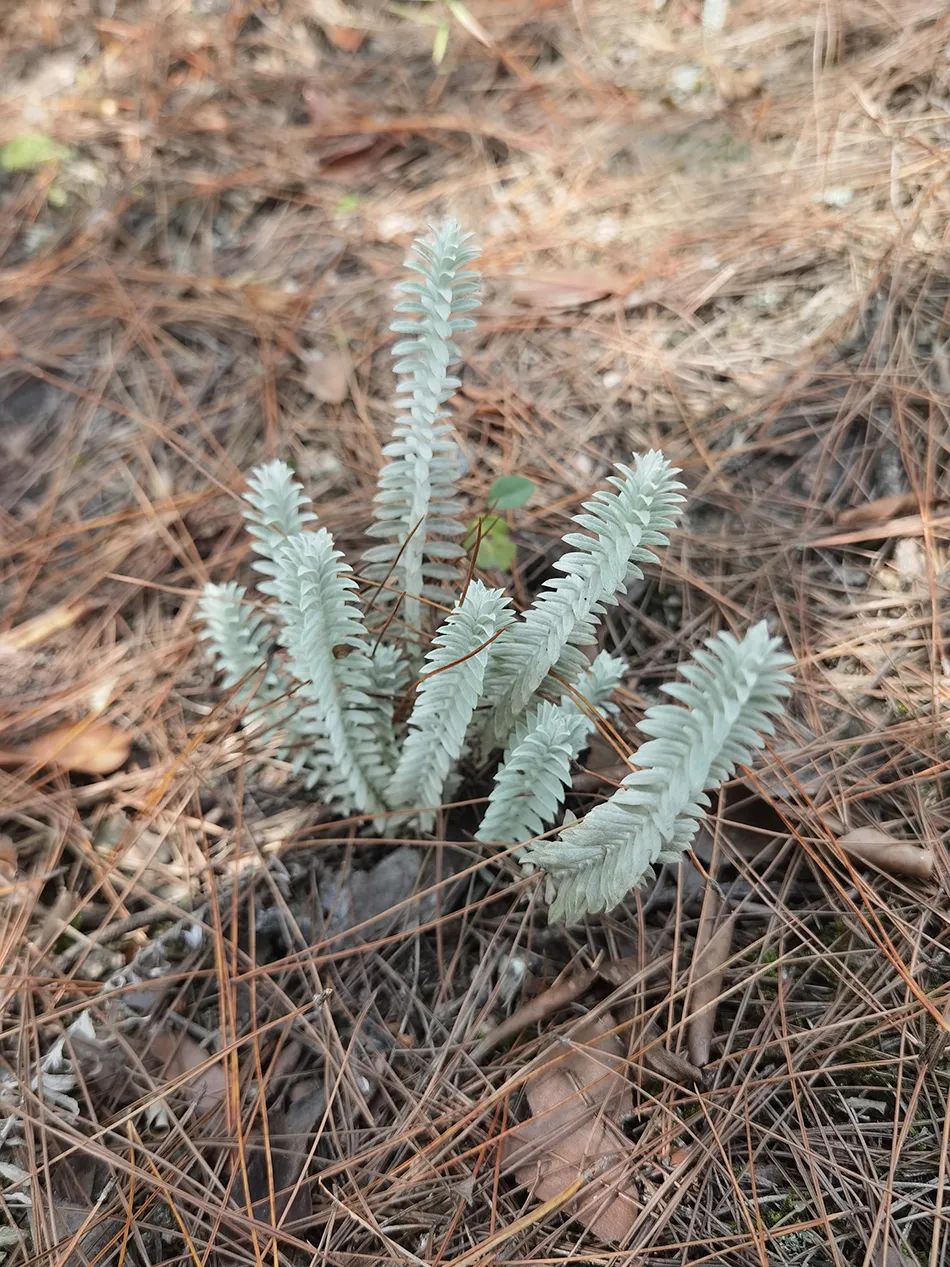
<point x="489" y="533"/>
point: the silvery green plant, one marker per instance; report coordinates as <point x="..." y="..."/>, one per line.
<point x="379" y="692"/>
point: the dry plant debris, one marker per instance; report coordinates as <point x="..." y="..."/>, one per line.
<point x="94" y="747"/>
<point x="713" y="947"/>
<point x="732" y="241"/>
<point x="577" y="1100"/>
<point x="881" y="849"/>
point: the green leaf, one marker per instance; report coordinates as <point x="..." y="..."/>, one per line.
<point x="347" y="205"/>
<point x="31" y="150"/>
<point x="510" y="491"/>
<point x="496" y="550"/>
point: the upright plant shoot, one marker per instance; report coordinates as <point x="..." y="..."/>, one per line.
<point x="322" y="664"/>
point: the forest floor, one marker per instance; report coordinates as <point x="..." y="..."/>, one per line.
<point x="730" y="244"/>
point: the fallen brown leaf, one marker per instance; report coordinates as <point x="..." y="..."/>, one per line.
<point x="346" y="38"/>
<point x="713" y="947"/>
<point x="534" y="1010"/>
<point x="577" y="1101"/>
<point x="41" y="627"/>
<point x="657" y="1057"/>
<point x="272" y="1175"/>
<point x="179" y="1056"/>
<point x="327" y="378"/>
<point x="881" y="850"/>
<point x="357" y="897"/>
<point x="620" y="972"/>
<point x="557" y="290"/>
<point x="604" y="767"/>
<point x="890" y="1256"/>
<point x="95" y="747"/>
<point x="646" y="1045"/>
<point x="75" y="1215"/>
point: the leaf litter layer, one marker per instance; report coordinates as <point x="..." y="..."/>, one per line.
<point x="237" y="1031"/>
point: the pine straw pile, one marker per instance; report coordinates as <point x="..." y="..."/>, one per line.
<point x="236" y="1031"/>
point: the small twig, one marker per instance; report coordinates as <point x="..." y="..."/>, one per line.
<point x="113" y="932"/>
<point x="536" y="1009"/>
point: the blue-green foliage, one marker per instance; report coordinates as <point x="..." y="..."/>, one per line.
<point x="447" y="696"/>
<point x="417" y="504"/>
<point x="732" y="692"/>
<point x="321" y="690"/>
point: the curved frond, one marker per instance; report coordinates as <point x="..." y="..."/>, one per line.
<point x="731" y="692"/>
<point x="325" y="638"/>
<point x="236" y="636"/>
<point x="590" y="695"/>
<point x="536" y="769"/>
<point x="388" y="679"/>
<point x="448" y="693"/>
<point x="531" y="781"/>
<point x="623" y="525"/>
<point x="241" y="643"/>
<point x="416" y="504"/>
<point x="275" y="508"/>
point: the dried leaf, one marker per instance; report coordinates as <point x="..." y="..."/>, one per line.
<point x="85" y="748"/>
<point x="713" y="948"/>
<point x="658" y="1058"/>
<point x="75" y="1216"/>
<point x="41" y="627"/>
<point x="358" y="897"/>
<point x="881" y="850"/>
<point x="558" y="290"/>
<point x="577" y="1100"/>
<point x="179" y="1055"/>
<point x="604" y="767"/>
<point x="273" y="1177"/>
<point x="328" y="376"/>
<point x="7" y="860"/>
<point x="879" y="511"/>
<point x="346" y="38"/>
<point x="801" y="766"/>
<point x="534" y="1010"/>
